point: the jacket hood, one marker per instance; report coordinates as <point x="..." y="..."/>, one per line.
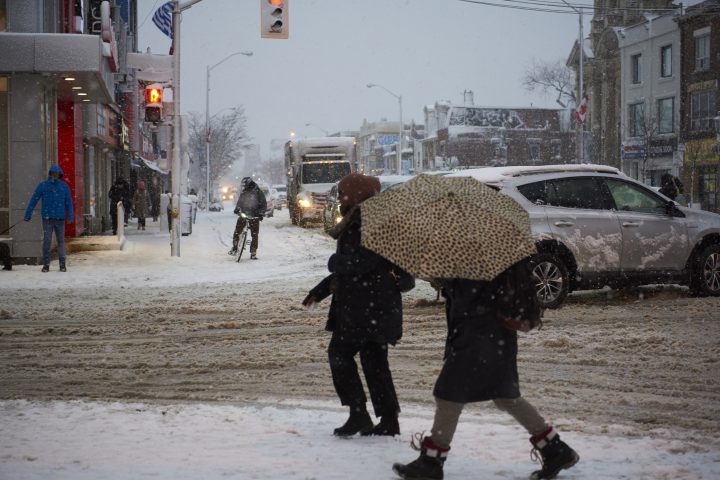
<point x="56" y="169"/>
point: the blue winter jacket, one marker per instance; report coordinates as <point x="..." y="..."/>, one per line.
<point x="56" y="198"/>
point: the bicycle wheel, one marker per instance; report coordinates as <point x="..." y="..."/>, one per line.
<point x="241" y="243"/>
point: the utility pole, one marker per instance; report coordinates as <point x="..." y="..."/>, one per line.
<point x="178" y="8"/>
<point x="581" y="44"/>
<point x="400" y="138"/>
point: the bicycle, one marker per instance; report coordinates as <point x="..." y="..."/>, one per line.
<point x="243" y="238"/>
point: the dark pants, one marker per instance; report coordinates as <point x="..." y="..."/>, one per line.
<point x="254" y="230"/>
<point x="141" y="222"/>
<point x="113" y="217"/>
<point x="5" y="256"/>
<point x="51" y="225"/>
<point x="374" y="360"/>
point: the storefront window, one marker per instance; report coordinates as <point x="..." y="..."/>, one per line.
<point x="4" y="162"/>
<point x="709" y="191"/>
<point x="702" y="110"/>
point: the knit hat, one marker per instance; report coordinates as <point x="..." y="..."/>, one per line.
<point x="355" y="188"/>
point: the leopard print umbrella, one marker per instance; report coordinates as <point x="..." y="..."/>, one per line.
<point x="440" y="227"/>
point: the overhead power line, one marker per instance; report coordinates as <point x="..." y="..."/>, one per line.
<point x="551" y="6"/>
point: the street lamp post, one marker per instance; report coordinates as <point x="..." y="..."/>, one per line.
<point x="581" y="49"/>
<point x="178" y="8"/>
<point x="207" y="121"/>
<point x="327" y="134"/>
<point x="400" y="138"/>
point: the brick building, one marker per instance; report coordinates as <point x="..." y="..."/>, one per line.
<point x="700" y="105"/>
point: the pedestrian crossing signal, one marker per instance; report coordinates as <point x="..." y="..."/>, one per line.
<point x="153" y="103"/>
<point x="274" y="19"/>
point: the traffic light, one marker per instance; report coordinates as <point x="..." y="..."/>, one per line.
<point x="274" y="19"/>
<point x="153" y="103"/>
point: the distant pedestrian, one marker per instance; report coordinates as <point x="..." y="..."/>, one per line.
<point x="154" y="200"/>
<point x="141" y="201"/>
<point x="365" y="316"/>
<point x="56" y="209"/>
<point x="672" y="187"/>
<point x="481" y="364"/>
<point x="118" y="193"/>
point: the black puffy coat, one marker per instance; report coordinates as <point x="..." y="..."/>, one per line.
<point x="480" y="354"/>
<point x="252" y="201"/>
<point x="366" y="288"/>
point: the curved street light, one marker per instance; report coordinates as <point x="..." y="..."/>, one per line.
<point x="245" y="53"/>
<point x="327" y="134"/>
<point x="400" y="138"/>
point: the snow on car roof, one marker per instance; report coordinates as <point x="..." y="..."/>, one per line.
<point x="495" y="175"/>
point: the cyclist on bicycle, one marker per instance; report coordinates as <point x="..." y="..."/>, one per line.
<point x="251" y="207"/>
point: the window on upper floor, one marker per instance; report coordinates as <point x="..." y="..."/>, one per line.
<point x="666" y="61"/>
<point x="636" y="119"/>
<point x="636" y="68"/>
<point x="3" y="16"/>
<point x="666" y="114"/>
<point x="702" y="53"/>
<point x="702" y="110"/>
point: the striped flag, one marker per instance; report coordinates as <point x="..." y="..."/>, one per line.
<point x="163" y="19"/>
<point x="580" y="113"/>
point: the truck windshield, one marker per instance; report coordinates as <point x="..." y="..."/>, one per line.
<point x="324" y="172"/>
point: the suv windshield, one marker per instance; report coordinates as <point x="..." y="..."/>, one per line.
<point x="324" y="172"/>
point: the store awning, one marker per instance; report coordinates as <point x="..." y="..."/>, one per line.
<point x="65" y="57"/>
<point x="152" y="165"/>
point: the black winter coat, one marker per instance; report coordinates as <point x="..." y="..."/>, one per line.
<point x="480" y="354"/>
<point x="252" y="202"/>
<point x="366" y="288"/>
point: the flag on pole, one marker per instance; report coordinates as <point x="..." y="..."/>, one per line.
<point x="582" y="110"/>
<point x="163" y="19"/>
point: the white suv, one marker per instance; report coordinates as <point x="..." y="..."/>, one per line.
<point x="594" y="226"/>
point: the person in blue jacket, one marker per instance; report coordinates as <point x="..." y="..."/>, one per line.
<point x="56" y="207"/>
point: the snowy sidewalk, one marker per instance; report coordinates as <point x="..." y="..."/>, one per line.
<point x="291" y="440"/>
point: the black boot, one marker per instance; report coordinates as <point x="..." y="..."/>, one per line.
<point x="429" y="466"/>
<point x="45" y="269"/>
<point x="388" y="426"/>
<point x="358" y="422"/>
<point x="554" y="454"/>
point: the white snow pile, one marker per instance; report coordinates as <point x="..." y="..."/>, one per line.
<point x="292" y="440"/>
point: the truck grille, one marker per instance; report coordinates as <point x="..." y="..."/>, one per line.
<point x="319" y="199"/>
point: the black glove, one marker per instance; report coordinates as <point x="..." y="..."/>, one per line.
<point x="236" y="211"/>
<point x="261" y="218"/>
<point x="332" y="263"/>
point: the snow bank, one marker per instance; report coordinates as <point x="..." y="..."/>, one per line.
<point x="290" y="440"/>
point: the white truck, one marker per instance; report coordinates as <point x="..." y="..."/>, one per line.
<point x="313" y="166"/>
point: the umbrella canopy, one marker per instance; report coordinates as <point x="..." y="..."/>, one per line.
<point x="440" y="227"/>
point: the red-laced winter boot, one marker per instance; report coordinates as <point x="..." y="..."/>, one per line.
<point x="553" y="453"/>
<point x="429" y="466"/>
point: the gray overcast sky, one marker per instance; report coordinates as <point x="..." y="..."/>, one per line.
<point x="424" y="50"/>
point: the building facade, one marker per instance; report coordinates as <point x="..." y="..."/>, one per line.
<point x="700" y="104"/>
<point x="602" y="76"/>
<point x="650" y="98"/>
<point x="467" y="136"/>
<point x="60" y="71"/>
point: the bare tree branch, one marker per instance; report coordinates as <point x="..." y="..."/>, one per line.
<point x="551" y="78"/>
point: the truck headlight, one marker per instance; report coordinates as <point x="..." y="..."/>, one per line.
<point x="304" y="203"/>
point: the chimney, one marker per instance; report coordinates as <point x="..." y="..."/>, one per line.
<point x="468" y="98"/>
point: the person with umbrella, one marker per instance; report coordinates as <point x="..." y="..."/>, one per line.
<point x="485" y="277"/>
<point x="365" y="316"/>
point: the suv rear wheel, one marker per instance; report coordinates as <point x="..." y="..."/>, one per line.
<point x="706" y="275"/>
<point x="552" y="279"/>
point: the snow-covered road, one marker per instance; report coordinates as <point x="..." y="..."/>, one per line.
<point x="633" y="376"/>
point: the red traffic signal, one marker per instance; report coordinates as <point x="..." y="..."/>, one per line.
<point x="274" y="19"/>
